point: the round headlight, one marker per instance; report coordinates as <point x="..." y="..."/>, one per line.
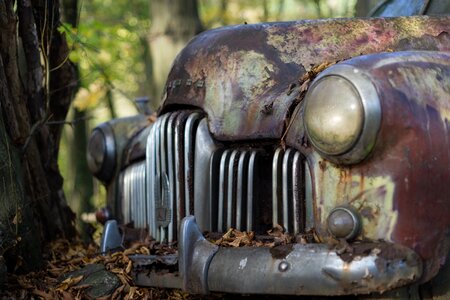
<point x="342" y="114"/>
<point x="334" y="115"/>
<point x="96" y="151"/>
<point x="101" y="152"/>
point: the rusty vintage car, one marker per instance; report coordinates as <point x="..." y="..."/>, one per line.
<point x="336" y="131"/>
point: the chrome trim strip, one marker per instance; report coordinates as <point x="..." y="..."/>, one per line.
<point x="309" y="205"/>
<point x="206" y="170"/>
<point x="189" y="140"/>
<point x="223" y="163"/>
<point x="243" y="158"/>
<point x="134" y="197"/>
<point x="297" y="179"/>
<point x="275" y="177"/>
<point x="125" y="202"/>
<point x="150" y="154"/>
<point x="250" y="189"/>
<point x="179" y="166"/>
<point x="287" y="166"/>
<point x="162" y="167"/>
<point x="171" y="168"/>
<point x="143" y="195"/>
<point x="230" y="192"/>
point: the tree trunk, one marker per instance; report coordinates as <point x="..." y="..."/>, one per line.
<point x="37" y="83"/>
<point x="83" y="186"/>
<point x="174" y="23"/>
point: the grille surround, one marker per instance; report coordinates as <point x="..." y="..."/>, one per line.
<point x="187" y="172"/>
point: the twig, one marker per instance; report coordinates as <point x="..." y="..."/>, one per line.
<point x="33" y="130"/>
<point x="71" y="123"/>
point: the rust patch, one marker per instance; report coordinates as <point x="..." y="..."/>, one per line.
<point x="281" y="251"/>
<point x="388" y="252"/>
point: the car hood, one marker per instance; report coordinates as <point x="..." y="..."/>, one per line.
<point x="246" y="77"/>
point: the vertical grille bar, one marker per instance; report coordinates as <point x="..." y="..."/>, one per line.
<point x="309" y="207"/>
<point x="297" y="179"/>
<point x="287" y="187"/>
<point x="143" y="196"/>
<point x="179" y="166"/>
<point x="276" y="174"/>
<point x="126" y="198"/>
<point x="222" y="190"/>
<point x="231" y="188"/>
<point x="171" y="168"/>
<point x="189" y="142"/>
<point x="241" y="184"/>
<point x="151" y="166"/>
<point x="162" y="175"/>
<point x="250" y="190"/>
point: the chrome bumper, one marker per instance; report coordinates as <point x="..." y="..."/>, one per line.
<point x="312" y="269"/>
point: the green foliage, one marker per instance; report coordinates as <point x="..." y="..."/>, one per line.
<point x="107" y="48"/>
<point x="215" y="13"/>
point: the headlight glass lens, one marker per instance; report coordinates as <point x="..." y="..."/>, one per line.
<point x="96" y="151"/>
<point x="334" y="115"/>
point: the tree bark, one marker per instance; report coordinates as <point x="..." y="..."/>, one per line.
<point x="174" y="23"/>
<point x="37" y="83"/>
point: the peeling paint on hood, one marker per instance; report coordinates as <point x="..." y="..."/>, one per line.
<point x="240" y="75"/>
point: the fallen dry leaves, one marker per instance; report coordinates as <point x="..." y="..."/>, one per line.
<point x="235" y="238"/>
<point x="63" y="257"/>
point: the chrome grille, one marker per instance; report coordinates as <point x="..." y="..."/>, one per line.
<point x="237" y="171"/>
<point x="187" y="172"/>
<point x="287" y="190"/>
<point x="170" y="161"/>
<point x="133" y="197"/>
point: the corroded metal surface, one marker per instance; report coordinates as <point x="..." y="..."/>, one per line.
<point x="312" y="269"/>
<point x="241" y="75"/>
<point x="402" y="190"/>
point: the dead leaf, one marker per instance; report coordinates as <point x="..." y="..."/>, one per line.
<point x="67" y="283"/>
<point x="43" y="294"/>
<point x="129" y="266"/>
<point x="66" y="295"/>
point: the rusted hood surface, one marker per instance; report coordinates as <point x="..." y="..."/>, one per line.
<point x="241" y="75"/>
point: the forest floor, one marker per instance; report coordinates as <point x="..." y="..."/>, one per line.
<point x="75" y="270"/>
<point x="59" y="278"/>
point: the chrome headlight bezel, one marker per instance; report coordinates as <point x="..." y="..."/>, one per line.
<point x="101" y="152"/>
<point x="370" y="101"/>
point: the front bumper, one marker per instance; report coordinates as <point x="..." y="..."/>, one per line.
<point x="295" y="269"/>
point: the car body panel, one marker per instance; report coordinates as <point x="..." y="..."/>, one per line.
<point x="402" y="188"/>
<point x="246" y="77"/>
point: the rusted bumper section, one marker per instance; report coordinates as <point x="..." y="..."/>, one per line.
<point x="311" y="269"/>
